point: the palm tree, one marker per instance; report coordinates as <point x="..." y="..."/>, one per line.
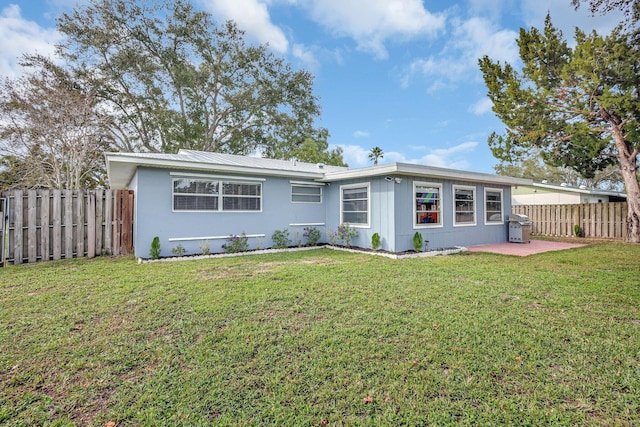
<point x="375" y="154"/>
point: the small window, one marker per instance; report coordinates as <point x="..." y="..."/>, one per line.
<point x="464" y="205"/>
<point x="427" y="204"/>
<point x="241" y="196"/>
<point x="306" y="194"/>
<point x="493" y="206"/>
<point x="355" y="205"/>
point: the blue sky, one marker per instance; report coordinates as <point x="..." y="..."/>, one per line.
<point x="398" y="74"/>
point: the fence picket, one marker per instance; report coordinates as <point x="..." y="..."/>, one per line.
<point x="597" y="220"/>
<point x="57" y="224"/>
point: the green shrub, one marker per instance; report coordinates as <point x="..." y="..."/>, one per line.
<point x="154" y="252"/>
<point x="346" y="234"/>
<point x="578" y="231"/>
<point x="417" y="241"/>
<point x="281" y="239"/>
<point x="312" y="234"/>
<point x="236" y="243"/>
<point x="205" y="247"/>
<point x="179" y="250"/>
<point x="375" y="241"/>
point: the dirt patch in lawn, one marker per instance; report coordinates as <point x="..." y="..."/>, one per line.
<point x="253" y="270"/>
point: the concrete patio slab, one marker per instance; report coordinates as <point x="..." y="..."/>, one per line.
<point x="524" y="249"/>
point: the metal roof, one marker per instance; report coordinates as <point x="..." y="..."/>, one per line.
<point x="122" y="166"/>
<point x="582" y="189"/>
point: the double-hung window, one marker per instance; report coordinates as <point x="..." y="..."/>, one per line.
<point x="191" y="194"/>
<point x="493" y="206"/>
<point x="464" y="205"/>
<point x="427" y="207"/>
<point x="354" y="204"/>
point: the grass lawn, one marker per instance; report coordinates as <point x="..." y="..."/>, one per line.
<point x="324" y="337"/>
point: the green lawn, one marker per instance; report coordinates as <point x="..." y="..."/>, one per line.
<point x="324" y="337"/>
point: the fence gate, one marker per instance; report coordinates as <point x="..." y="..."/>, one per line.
<point x="4" y="219"/>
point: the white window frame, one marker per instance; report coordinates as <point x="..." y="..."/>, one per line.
<point x="486" y="201"/>
<point x="418" y="225"/>
<point x="366" y="185"/>
<point x="308" y="185"/>
<point x="220" y="196"/>
<point x="475" y="205"/>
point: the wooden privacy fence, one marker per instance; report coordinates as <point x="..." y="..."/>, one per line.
<point x="598" y="220"/>
<point x="42" y="225"/>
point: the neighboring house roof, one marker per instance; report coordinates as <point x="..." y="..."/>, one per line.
<point x="565" y="188"/>
<point x="122" y="166"/>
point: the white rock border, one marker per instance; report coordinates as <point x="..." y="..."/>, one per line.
<point x="450" y="251"/>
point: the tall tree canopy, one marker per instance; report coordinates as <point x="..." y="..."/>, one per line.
<point x="580" y="106"/>
<point x="52" y="132"/>
<point x="175" y="79"/>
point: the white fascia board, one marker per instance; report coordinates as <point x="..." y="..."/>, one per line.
<point x="121" y="167"/>
<point x="591" y="191"/>
<point x="426" y="172"/>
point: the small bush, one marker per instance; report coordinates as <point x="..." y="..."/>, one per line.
<point x="205" y="247"/>
<point x="179" y="250"/>
<point x="578" y="231"/>
<point x="236" y="243"/>
<point x="417" y="241"/>
<point x="375" y="241"/>
<point x="281" y="239"/>
<point x="312" y="234"/>
<point x="346" y="234"/>
<point x="154" y="252"/>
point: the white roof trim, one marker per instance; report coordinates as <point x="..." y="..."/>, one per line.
<point x="572" y="189"/>
<point x="424" y="172"/>
<point x="121" y="168"/>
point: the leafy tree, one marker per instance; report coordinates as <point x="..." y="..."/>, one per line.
<point x="52" y="131"/>
<point x="534" y="168"/>
<point x="316" y="150"/>
<point x="175" y="79"/>
<point x="374" y="154"/>
<point x="580" y="106"/>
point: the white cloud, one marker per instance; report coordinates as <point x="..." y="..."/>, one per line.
<point x="481" y="107"/>
<point x="371" y="23"/>
<point x="456" y="157"/>
<point x="458" y="60"/>
<point x="361" y="134"/>
<point x="305" y="55"/>
<point x="354" y="155"/>
<point x="253" y="17"/>
<point x="20" y="36"/>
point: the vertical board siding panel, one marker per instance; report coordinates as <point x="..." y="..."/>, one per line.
<point x="17" y="227"/>
<point x="68" y="224"/>
<point x="79" y="221"/>
<point x="108" y="212"/>
<point x="32" y="226"/>
<point x="57" y="225"/>
<point x="90" y="215"/>
<point x="115" y="229"/>
<point x="99" y="226"/>
<point x="45" y="229"/>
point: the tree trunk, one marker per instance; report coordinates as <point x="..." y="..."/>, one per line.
<point x="628" y="158"/>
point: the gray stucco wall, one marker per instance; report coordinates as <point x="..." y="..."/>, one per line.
<point x="391" y="215"/>
<point x="154" y="216"/>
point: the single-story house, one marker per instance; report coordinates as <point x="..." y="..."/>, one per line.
<point x="544" y="193"/>
<point x="194" y="197"/>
